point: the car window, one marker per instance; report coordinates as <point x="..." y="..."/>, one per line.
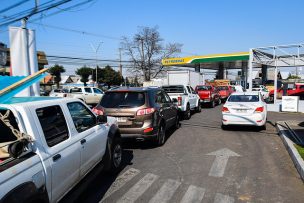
<point x="192" y="90"/>
<point x="88" y="90"/>
<point x="243" y="98"/>
<point x="122" y="99"/>
<point x="174" y="89"/>
<point x="53" y="124"/>
<point x="202" y="88"/>
<point x="301" y="87"/>
<point x="97" y="91"/>
<point x="160" y="97"/>
<point x="168" y="100"/>
<point x="74" y="90"/>
<point x="189" y="90"/>
<point x="82" y="117"/>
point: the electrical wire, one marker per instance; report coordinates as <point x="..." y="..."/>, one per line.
<point x="13" y="6"/>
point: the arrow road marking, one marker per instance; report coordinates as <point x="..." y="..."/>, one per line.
<point x="219" y="165"/>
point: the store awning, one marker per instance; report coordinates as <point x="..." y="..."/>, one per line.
<point x="12" y="85"/>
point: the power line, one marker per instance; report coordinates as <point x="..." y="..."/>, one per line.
<point x="13" y="6"/>
<point x="86" y="59"/>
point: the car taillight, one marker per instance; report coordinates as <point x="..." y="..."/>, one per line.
<point x="146" y="111"/>
<point x="225" y="109"/>
<point x="259" y="109"/>
<point x="179" y="101"/>
<point x="98" y="111"/>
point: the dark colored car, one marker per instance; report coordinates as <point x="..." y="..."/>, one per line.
<point x="208" y="94"/>
<point x="142" y="113"/>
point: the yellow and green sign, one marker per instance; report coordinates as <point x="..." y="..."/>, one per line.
<point x="240" y="56"/>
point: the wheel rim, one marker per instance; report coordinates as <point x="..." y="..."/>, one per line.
<point x="117" y="154"/>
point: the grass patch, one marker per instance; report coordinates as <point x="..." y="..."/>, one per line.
<point x="300" y="150"/>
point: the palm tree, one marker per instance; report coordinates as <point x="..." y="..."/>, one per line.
<point x="84" y="72"/>
<point x="56" y="71"/>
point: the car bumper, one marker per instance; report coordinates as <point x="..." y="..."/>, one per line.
<point x="255" y="119"/>
<point x="205" y="100"/>
<point x="138" y="133"/>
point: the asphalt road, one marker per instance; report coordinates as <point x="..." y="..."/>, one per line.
<point x="202" y="163"/>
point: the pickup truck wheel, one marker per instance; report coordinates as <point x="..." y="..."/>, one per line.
<point x="187" y="114"/>
<point x="113" y="156"/>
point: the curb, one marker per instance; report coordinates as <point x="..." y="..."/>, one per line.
<point x="293" y="152"/>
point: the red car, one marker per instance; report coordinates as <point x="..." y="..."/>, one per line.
<point x="208" y="94"/>
<point x="296" y="90"/>
<point x="225" y="91"/>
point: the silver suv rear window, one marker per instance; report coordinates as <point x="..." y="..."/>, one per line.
<point x="122" y="99"/>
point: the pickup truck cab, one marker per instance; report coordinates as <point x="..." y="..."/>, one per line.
<point x="295" y="90"/>
<point x="186" y="98"/>
<point x="225" y="91"/>
<point x="208" y="94"/>
<point x="49" y="144"/>
<point x="90" y="95"/>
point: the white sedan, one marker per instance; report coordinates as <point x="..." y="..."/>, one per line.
<point x="248" y="108"/>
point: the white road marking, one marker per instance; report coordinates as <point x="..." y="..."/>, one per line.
<point x="220" y="198"/>
<point x="219" y="165"/>
<point x="121" y="181"/>
<point x="193" y="195"/>
<point x="166" y="192"/>
<point x="138" y="189"/>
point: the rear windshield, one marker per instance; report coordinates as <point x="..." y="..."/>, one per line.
<point x="223" y="88"/>
<point x="122" y="99"/>
<point x="173" y="89"/>
<point x="201" y="88"/>
<point x="243" y="98"/>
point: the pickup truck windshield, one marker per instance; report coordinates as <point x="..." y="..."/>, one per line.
<point x="243" y="98"/>
<point x="203" y="88"/>
<point x="223" y="88"/>
<point x="173" y="89"/>
<point x="122" y="99"/>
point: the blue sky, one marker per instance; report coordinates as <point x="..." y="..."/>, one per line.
<point x="202" y="26"/>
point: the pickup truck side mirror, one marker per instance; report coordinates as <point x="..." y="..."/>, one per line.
<point x="101" y="119"/>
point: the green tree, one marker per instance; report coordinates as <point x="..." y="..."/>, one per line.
<point x="110" y="77"/>
<point x="56" y="71"/>
<point x="293" y="77"/>
<point x="84" y="72"/>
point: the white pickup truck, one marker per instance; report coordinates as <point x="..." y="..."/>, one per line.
<point x="186" y="98"/>
<point x="90" y="95"/>
<point x="47" y="145"/>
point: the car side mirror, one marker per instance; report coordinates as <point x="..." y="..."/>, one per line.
<point x="102" y="119"/>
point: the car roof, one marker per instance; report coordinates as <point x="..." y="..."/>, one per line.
<point x="133" y="89"/>
<point x="245" y="93"/>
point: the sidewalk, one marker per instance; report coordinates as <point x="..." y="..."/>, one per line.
<point x="292" y="132"/>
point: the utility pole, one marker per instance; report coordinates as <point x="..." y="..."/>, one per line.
<point x="120" y="66"/>
<point x="143" y="56"/>
<point x="96" y="51"/>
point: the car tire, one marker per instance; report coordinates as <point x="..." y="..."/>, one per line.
<point x="224" y="127"/>
<point x="177" y="123"/>
<point x="113" y="156"/>
<point x="219" y="102"/>
<point x="212" y="104"/>
<point x="161" y="135"/>
<point x="263" y="127"/>
<point x="199" y="107"/>
<point x="187" y="113"/>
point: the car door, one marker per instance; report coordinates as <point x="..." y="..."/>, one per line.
<point x="97" y="95"/>
<point x="172" y="111"/>
<point x="92" y="137"/>
<point x="63" y="149"/>
<point x="164" y="109"/>
<point x="192" y="97"/>
<point x="88" y="94"/>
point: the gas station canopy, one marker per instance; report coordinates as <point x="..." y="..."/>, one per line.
<point x="215" y="61"/>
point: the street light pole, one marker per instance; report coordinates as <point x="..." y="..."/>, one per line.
<point x="96" y="51"/>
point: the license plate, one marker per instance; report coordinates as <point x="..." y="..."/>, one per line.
<point x="241" y="110"/>
<point x="121" y="119"/>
